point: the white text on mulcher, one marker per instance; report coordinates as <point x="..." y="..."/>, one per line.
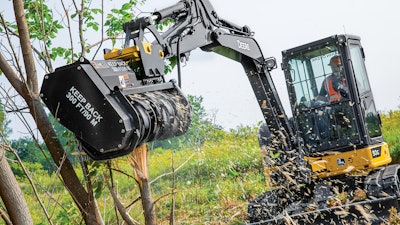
<point x="84" y="107"/>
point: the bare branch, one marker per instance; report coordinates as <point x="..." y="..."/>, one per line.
<point x="138" y="159"/>
<point x="164" y="195"/>
<point x="176" y="170"/>
<point x="102" y="40"/>
<point x="46" y="60"/>
<point x="134" y="201"/>
<point x="28" y="176"/>
<point x="86" y="175"/>
<point x="15" y="108"/>
<point x="80" y="22"/>
<point x="126" y="174"/>
<point x="4" y="216"/>
<point x="12" y="76"/>
<point x="7" y="30"/>
<point x="102" y="28"/>
<point x="112" y="185"/>
<point x="69" y="30"/>
<point x="26" y="47"/>
<point x="44" y="36"/>
<point x="172" y="213"/>
<point x="119" y="205"/>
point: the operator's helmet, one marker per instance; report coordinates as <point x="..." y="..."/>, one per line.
<point x="335" y="61"/>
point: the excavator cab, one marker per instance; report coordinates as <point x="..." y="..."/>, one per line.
<point x="332" y="104"/>
<point x="338" y="134"/>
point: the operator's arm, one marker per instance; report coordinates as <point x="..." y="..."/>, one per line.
<point x="323" y="92"/>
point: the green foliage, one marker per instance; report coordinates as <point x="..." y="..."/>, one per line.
<point x="29" y="150"/>
<point x="41" y="23"/>
<point x="31" y="153"/>
<point x="96" y="169"/>
<point x="213" y="185"/>
<point x="118" y="17"/>
<point x="46" y="26"/>
<point x="67" y="139"/>
<point x="201" y="129"/>
<point x="2" y="116"/>
<point x="391" y="132"/>
<point x="216" y="183"/>
<point x="170" y="64"/>
<point x="4" y="123"/>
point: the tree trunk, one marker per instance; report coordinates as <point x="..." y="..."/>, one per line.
<point x="28" y="89"/>
<point x="11" y="194"/>
<point x="147" y="203"/>
<point x="139" y="159"/>
<point x="84" y="200"/>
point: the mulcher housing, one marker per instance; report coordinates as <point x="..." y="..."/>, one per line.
<point x="110" y="110"/>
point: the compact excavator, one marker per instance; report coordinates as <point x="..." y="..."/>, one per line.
<point x="328" y="164"/>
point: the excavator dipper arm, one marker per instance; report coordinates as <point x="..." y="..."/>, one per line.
<point x="196" y="25"/>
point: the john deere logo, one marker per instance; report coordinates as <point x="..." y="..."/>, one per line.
<point x="341" y="162"/>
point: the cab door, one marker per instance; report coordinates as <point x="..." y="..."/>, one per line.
<point x="369" y="119"/>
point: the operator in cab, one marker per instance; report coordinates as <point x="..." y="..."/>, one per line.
<point x="333" y="121"/>
<point x="334" y="86"/>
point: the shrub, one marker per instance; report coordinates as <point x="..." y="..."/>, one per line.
<point x="391" y="132"/>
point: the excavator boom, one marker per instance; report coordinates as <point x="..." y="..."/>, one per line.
<point x="139" y="68"/>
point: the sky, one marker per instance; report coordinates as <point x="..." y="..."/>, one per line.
<point x="283" y="24"/>
<point x="280" y="25"/>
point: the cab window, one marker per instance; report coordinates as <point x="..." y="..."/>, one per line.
<point x="324" y="119"/>
<point x="372" y="120"/>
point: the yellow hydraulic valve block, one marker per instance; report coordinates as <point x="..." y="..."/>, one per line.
<point x="130" y="53"/>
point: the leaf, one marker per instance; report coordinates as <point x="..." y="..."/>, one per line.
<point x="126" y="6"/>
<point x="98" y="189"/>
<point x="115" y="11"/>
<point x="96" y="11"/>
<point x="127" y="17"/>
<point x="274" y="155"/>
<point x="57" y="25"/>
<point x="57" y="52"/>
<point x="67" y="53"/>
<point x="93" y="25"/>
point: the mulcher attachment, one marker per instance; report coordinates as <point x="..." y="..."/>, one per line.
<point x="111" y="109"/>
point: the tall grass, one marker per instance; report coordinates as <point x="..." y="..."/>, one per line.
<point x="212" y="185"/>
<point x="216" y="184"/>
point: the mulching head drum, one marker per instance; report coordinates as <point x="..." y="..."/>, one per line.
<point x="112" y="112"/>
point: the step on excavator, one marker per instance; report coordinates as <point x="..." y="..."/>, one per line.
<point x="328" y="164"/>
